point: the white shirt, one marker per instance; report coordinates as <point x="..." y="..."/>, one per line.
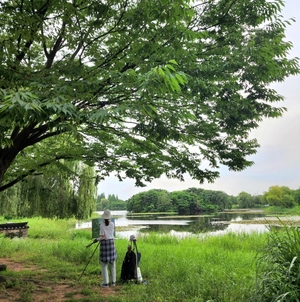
<point x="107" y="232"/>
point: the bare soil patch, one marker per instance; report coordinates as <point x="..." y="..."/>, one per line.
<point x="40" y="290"/>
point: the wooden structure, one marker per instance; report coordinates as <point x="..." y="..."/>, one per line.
<point x="14" y="229"/>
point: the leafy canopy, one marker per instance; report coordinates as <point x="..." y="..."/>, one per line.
<point x="137" y="87"/>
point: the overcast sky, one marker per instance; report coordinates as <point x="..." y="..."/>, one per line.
<point x="277" y="161"/>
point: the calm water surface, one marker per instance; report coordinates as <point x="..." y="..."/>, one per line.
<point x="181" y="226"/>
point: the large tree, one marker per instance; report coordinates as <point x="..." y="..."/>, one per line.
<point x="137" y="87"/>
<point x="279" y="196"/>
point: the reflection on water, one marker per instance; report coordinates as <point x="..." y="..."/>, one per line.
<point x="180" y="227"/>
<point x="239" y="218"/>
<point x="240" y="228"/>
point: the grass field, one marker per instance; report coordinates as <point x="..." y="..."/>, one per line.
<point x="218" y="268"/>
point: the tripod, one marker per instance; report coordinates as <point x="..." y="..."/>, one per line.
<point x="90" y="258"/>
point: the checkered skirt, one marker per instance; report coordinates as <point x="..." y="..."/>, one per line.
<point x="108" y="252"/>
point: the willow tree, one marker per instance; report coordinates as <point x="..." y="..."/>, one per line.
<point x="85" y="192"/>
<point x="57" y="193"/>
<point x="142" y="88"/>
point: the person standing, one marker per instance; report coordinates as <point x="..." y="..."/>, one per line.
<point x="108" y="253"/>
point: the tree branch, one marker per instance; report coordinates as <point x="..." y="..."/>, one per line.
<point x="56" y="47"/>
<point x="40" y="12"/>
<point x="30" y="172"/>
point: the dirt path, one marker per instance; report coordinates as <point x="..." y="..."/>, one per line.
<point x="40" y="290"/>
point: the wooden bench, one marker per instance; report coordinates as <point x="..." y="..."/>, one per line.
<point x="14" y="229"/>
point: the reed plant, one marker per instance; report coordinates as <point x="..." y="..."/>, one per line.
<point x="278" y="266"/>
<point x="216" y="268"/>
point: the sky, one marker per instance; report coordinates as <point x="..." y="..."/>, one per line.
<point x="277" y="161"/>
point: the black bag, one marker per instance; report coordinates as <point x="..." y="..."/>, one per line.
<point x="130" y="262"/>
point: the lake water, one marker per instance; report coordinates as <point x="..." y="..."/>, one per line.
<point x="181" y="226"/>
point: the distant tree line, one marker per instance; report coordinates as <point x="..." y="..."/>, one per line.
<point x="279" y="196"/>
<point x="190" y="201"/>
<point x="56" y="195"/>
<point x="112" y="202"/>
<point x="196" y="200"/>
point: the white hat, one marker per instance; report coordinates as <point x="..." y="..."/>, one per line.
<point x="106" y="214"/>
<point x="132" y="238"/>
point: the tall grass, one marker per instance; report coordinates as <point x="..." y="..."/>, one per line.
<point x="278" y="267"/>
<point x="219" y="268"/>
<point x="216" y="269"/>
